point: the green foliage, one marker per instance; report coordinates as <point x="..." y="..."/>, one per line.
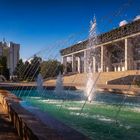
<point x="51" y="68"/>
<point x="3" y="67"/>
<point x="28" y="70"/>
<point x="18" y="68"/>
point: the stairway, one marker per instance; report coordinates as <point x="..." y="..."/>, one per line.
<point x="80" y="78"/>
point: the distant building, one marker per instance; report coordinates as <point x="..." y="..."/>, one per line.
<point x="11" y="51"/>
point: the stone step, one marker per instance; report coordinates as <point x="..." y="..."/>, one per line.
<point x="104" y="77"/>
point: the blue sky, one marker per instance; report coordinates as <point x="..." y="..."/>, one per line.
<point x="36" y="24"/>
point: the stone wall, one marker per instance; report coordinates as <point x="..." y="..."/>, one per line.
<point x="127" y="80"/>
<point x="28" y="126"/>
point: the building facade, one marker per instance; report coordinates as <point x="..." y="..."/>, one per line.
<point x="11" y="52"/>
<point x="117" y="50"/>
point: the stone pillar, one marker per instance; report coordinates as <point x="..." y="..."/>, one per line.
<point x="79" y="64"/>
<point x="105" y="60"/>
<point x="85" y="61"/>
<point x="94" y="64"/>
<point x="102" y="58"/>
<point x="73" y="63"/>
<point x="115" y="69"/>
<point x="64" y="62"/>
<point x="128" y="55"/>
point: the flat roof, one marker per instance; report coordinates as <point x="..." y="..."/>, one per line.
<point x="128" y="29"/>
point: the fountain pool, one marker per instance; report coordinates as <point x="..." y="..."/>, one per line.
<point x="98" y="119"/>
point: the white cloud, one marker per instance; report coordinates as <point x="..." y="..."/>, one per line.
<point x="137" y="18"/>
<point x="122" y="23"/>
<point x="29" y="60"/>
<point x="24" y="60"/>
<point x="79" y="42"/>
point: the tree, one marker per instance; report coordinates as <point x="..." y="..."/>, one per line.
<point x="34" y="67"/>
<point x="51" y="68"/>
<point x="3" y="67"/>
<point x="28" y="70"/>
<point x="18" y="70"/>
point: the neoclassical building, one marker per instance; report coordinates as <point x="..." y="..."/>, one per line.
<point x="116" y="50"/>
<point x="11" y="52"/>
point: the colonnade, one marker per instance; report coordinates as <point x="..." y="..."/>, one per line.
<point x="104" y="63"/>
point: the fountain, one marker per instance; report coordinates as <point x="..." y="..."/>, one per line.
<point x="59" y="84"/>
<point x="39" y="83"/>
<point x="89" y="90"/>
<point x="110" y="116"/>
<point x="89" y="85"/>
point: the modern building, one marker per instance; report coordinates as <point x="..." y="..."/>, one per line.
<point x="11" y="51"/>
<point x="116" y="50"/>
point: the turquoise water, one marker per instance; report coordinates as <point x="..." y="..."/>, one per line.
<point x="108" y="117"/>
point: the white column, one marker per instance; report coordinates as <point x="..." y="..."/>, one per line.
<point x="79" y="64"/>
<point x="115" y="68"/>
<point x="85" y="61"/>
<point x="94" y="64"/>
<point x="105" y="60"/>
<point x="102" y="58"/>
<point x="64" y="62"/>
<point x="128" y="55"/>
<point x="73" y="63"/>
